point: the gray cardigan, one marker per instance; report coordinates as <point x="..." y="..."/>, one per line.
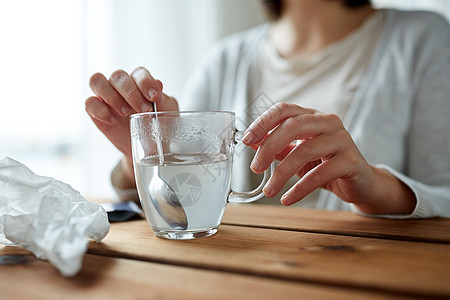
<point x="400" y="116"/>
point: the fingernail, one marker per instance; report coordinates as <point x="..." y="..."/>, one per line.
<point x="152" y="93"/>
<point x="248" y="138"/>
<point x="285" y="199"/>
<point x="113" y="119"/>
<point x="268" y="190"/>
<point x="146" y="107"/>
<point x="255" y="166"/>
<point x="125" y="110"/>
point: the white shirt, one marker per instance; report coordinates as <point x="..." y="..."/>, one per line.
<point x="326" y="81"/>
<point x="398" y="116"/>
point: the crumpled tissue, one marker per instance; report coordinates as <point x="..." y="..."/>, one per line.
<point x="47" y="217"/>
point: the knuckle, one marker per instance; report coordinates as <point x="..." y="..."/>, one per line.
<point x="333" y="119"/>
<point x="129" y="91"/>
<point x="102" y="112"/>
<point x="96" y="79"/>
<point x="343" y="134"/>
<point x="124" y="84"/>
<point x="291" y="124"/>
<point x="139" y="73"/>
<point x="99" y="112"/>
<point x="260" y="124"/>
<point x="305" y="148"/>
<point x="265" y="149"/>
<point x="89" y="102"/>
<point x="307" y="118"/>
<point x="280" y="107"/>
<point x="315" y="177"/>
<point x="353" y="159"/>
<point x="281" y="173"/>
<point x="139" y="69"/>
<point x="117" y="75"/>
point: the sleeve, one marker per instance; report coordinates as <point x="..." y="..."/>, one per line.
<point x="428" y="145"/>
<point x="123" y="194"/>
<point x="432" y="201"/>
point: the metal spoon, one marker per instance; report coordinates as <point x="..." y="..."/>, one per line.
<point x="162" y="195"/>
<point x="166" y="202"/>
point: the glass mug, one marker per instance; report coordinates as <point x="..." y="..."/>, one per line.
<point x="183" y="163"/>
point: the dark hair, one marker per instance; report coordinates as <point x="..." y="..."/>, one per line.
<point x="274" y="7"/>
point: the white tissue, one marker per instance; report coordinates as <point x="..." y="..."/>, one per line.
<point x="47" y="217"/>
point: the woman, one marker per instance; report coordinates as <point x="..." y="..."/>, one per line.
<point x="361" y="107"/>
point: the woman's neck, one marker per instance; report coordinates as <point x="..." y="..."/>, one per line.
<point x="307" y="26"/>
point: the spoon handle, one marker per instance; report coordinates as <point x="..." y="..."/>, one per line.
<point x="158" y="137"/>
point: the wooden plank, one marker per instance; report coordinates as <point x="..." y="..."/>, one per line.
<point x="375" y="264"/>
<point x="337" y="222"/>
<point x="116" y="278"/>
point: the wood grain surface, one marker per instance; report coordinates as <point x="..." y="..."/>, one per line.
<point x="435" y="230"/>
<point x="345" y="261"/>
<point x="117" y="278"/>
<point x="260" y="252"/>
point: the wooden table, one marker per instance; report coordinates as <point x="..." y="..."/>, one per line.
<point x="260" y="252"/>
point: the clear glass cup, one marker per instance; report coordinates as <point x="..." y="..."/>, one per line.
<point x="183" y="163"/>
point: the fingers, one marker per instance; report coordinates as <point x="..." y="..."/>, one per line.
<point x="300" y="127"/>
<point x="270" y="119"/>
<point x="326" y="156"/>
<point x="128" y="90"/>
<point x="300" y="160"/>
<point x="103" y="90"/>
<point x="100" y="111"/>
<point x="280" y="156"/>
<point x="150" y="88"/>
<point x="322" y="174"/>
<point x="120" y="96"/>
<point x="127" y="94"/>
<point x="322" y="137"/>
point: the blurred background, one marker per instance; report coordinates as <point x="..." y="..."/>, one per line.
<point x="49" y="49"/>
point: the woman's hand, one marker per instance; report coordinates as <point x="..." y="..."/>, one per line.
<point x="324" y="156"/>
<point x="117" y="98"/>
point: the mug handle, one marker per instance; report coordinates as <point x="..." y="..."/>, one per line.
<point x="253" y="195"/>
